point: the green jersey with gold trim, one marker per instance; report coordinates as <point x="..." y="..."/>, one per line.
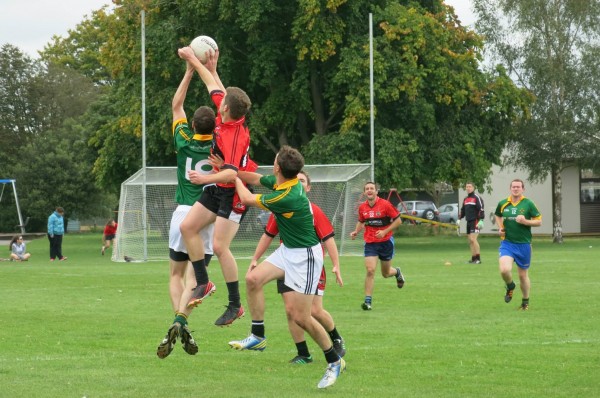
<point x="513" y="231"/>
<point x="192" y="154"/>
<point x="292" y="210"/>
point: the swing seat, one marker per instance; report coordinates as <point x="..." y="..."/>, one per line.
<point x="18" y="227"/>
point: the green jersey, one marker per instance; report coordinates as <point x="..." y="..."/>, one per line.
<point x="192" y="154"/>
<point x="292" y="210"/>
<point x="513" y="231"/>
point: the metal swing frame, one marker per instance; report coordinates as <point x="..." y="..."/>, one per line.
<point x="14" y="187"/>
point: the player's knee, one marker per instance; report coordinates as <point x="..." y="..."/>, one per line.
<point x="252" y="282"/>
<point x="288" y="313"/>
<point x="220" y="248"/>
<point x="187" y="228"/>
<point x="301" y="321"/>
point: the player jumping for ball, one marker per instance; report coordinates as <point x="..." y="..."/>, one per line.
<point x="216" y="204"/>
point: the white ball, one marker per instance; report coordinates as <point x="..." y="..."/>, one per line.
<point x="201" y="45"/>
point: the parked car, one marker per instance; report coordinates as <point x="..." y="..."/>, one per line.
<point x="419" y="208"/>
<point x="263" y="218"/>
<point x="449" y="213"/>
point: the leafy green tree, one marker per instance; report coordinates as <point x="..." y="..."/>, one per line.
<point x="45" y="140"/>
<point x="304" y="64"/>
<point x="438" y="117"/>
<point x="552" y="47"/>
<point x="16" y="71"/>
<point x="81" y="51"/>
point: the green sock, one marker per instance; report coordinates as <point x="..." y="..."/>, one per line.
<point x="181" y="318"/>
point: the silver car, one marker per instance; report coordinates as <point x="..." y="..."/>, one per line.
<point x="449" y="213"/>
<point x="419" y="208"/>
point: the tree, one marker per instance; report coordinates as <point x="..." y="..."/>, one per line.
<point x="45" y="140"/>
<point x="16" y="71"/>
<point x="304" y="64"/>
<point x="552" y="48"/>
<point x="438" y="117"/>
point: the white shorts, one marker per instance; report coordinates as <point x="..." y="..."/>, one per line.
<point x="176" y="241"/>
<point x="302" y="267"/>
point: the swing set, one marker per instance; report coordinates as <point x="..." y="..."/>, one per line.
<point x="5" y="182"/>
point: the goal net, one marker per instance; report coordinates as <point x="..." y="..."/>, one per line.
<point x="144" y="236"/>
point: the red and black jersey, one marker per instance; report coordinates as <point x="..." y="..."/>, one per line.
<point x="472" y="208"/>
<point x="238" y="206"/>
<point x="231" y="140"/>
<point x="323" y="226"/>
<point x="110" y="229"/>
<point x="377" y="217"/>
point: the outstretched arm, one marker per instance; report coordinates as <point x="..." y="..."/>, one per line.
<point x="223" y="176"/>
<point x="250" y="177"/>
<point x="188" y="54"/>
<point x="246" y="197"/>
<point x="179" y="97"/>
<point x="212" y="57"/>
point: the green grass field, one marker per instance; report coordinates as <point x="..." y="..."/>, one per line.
<point x="88" y="327"/>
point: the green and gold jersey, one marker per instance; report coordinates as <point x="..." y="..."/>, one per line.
<point x="513" y="231"/>
<point x="292" y="210"/>
<point x="192" y="154"/>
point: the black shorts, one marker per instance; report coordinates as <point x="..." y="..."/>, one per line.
<point x="109" y="237"/>
<point x="220" y="201"/>
<point x="283" y="288"/>
<point x="472" y="227"/>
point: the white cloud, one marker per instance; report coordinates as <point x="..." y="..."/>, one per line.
<point x="30" y="24"/>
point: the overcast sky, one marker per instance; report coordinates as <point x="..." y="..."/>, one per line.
<point x="30" y="24"/>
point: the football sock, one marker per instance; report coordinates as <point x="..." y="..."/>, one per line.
<point x="302" y="348"/>
<point x="234" y="293"/>
<point x="511" y="285"/>
<point x="181" y="318"/>
<point x="477" y="257"/>
<point x="207" y="258"/>
<point x="331" y="356"/>
<point x="258" y="328"/>
<point x="525" y="301"/>
<point x="334" y="334"/>
<point x="200" y="272"/>
<point x="368" y="299"/>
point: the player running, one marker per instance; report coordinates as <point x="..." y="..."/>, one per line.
<point x="379" y="218"/>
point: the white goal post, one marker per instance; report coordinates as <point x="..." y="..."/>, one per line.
<point x="337" y="189"/>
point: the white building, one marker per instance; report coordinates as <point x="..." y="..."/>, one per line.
<point x="580" y="199"/>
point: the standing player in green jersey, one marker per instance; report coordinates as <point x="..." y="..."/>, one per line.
<point x="193" y="150"/>
<point x="298" y="260"/>
<point x="515" y="216"/>
<point x="325" y="233"/>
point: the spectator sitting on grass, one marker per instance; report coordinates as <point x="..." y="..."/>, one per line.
<point x="18" y="250"/>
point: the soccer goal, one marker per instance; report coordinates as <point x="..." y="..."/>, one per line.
<point x="337" y="189"/>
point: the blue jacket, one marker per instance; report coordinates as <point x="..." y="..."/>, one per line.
<point x="56" y="225"/>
